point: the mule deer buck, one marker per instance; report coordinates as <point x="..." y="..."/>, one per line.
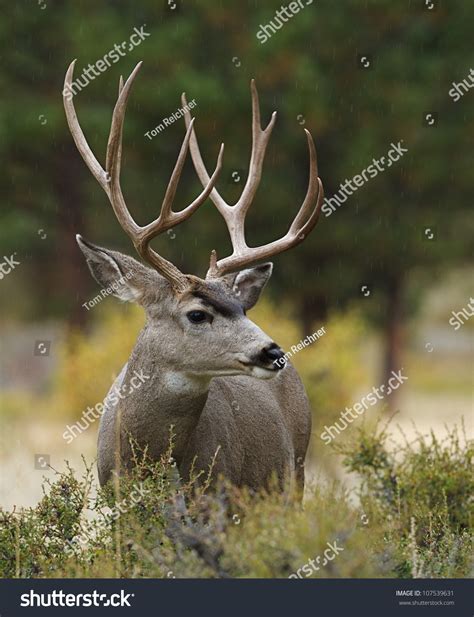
<point x="211" y="373"/>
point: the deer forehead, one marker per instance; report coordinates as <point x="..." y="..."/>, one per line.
<point x="215" y="297"/>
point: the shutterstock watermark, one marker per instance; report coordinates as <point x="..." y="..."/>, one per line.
<point x="106" y="291"/>
<point x="8" y="265"/>
<point x="459" y="89"/>
<point x="347" y="417"/>
<point x="308" y="340"/>
<point x="179" y="113"/>
<point x="349" y="187"/>
<point x="112" y="56"/>
<point x="61" y="598"/>
<point x="458" y="318"/>
<point x="310" y="566"/>
<point x="91" y="414"/>
<point x="282" y="16"/>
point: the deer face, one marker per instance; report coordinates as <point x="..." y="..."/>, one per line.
<point x="202" y="331"/>
<point x="217" y="336"/>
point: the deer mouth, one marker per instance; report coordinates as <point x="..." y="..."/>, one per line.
<point x="260" y="370"/>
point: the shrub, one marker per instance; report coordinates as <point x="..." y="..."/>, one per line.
<point x="414" y="519"/>
<point x="425" y="493"/>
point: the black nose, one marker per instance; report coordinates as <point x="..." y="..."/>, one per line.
<point x="272" y="353"/>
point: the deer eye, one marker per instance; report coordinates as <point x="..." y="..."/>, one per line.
<point x="198" y="316"/>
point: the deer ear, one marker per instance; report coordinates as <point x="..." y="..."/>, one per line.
<point x="118" y="274"/>
<point x="248" y="284"/>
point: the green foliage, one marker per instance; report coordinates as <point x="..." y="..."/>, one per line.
<point x="33" y="540"/>
<point x="414" y="519"/>
<point x="309" y="71"/>
<point x="425" y="492"/>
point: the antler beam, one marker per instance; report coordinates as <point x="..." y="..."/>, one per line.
<point x="109" y="180"/>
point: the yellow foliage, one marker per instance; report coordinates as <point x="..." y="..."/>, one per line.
<point x="89" y="363"/>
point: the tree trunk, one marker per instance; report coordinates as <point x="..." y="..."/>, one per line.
<point x="394" y="334"/>
<point x="71" y="272"/>
<point x="311" y="308"/>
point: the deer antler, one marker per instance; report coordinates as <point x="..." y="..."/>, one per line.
<point x="109" y="180"/>
<point x="234" y="215"/>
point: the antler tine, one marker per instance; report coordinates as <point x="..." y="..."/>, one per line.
<point x="118" y="118"/>
<point x="167" y="217"/>
<point x="199" y="166"/>
<point x="183" y="214"/>
<point x="314" y="187"/>
<point x="260" y="139"/>
<point x="119" y="153"/>
<point x="234" y="215"/>
<point x="303" y="223"/>
<point x="113" y="158"/>
<point x="176" y="175"/>
<point x="78" y="135"/>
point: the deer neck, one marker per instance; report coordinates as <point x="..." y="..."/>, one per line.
<point x="166" y="400"/>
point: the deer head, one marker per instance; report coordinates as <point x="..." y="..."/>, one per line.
<point x="199" y="326"/>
